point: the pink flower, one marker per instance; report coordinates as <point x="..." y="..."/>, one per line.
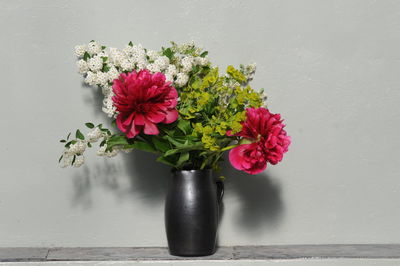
<point x="268" y="141"/>
<point x="144" y="100"/>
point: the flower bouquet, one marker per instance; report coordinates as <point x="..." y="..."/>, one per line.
<point x="175" y="103"/>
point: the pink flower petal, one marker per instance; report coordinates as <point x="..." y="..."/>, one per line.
<point x="150" y="128"/>
<point x="143" y="100"/>
<point x="171" y="116"/>
<point x="270" y="141"/>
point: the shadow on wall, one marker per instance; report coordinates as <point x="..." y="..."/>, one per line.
<point x="258" y="196"/>
<point x="147" y="180"/>
<point x="93" y="97"/>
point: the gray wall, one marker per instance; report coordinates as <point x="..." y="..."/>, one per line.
<point x="330" y="67"/>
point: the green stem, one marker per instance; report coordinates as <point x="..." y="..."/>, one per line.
<point x="229" y="147"/>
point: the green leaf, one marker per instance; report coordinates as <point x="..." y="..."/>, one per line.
<point x="168" y="53"/>
<point x="190" y="51"/>
<point x="89" y="125"/>
<point x="106" y="131"/>
<point x="160" y="144"/>
<point x="184" y="125"/>
<point x="130" y="43"/>
<point x="103" y="143"/>
<point x="169" y="132"/>
<point x="73" y="160"/>
<point x="86" y="56"/>
<point x="166" y="161"/>
<point x="103" y="47"/>
<point x="174" y="141"/>
<point x="105" y="68"/>
<point x="59" y="160"/>
<point x="114" y="123"/>
<point x="182" y="159"/>
<point x="144" y="146"/>
<point x="195" y="69"/>
<point x="63" y="140"/>
<point x="171" y="152"/>
<point x="69" y="143"/>
<point x="204" y="54"/>
<point x="89" y="144"/>
<point x="185" y="149"/>
<point x="116" y="140"/>
<point x="105" y="58"/>
<point x="69" y="134"/>
<point x="79" y="135"/>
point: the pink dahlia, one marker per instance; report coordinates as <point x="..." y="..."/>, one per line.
<point x="143" y="100"/>
<point x="268" y="141"/>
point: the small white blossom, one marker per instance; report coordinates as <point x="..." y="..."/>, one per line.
<point x="171" y="70"/>
<point x="94" y="135"/>
<point x="142" y="64"/>
<point x="80" y="50"/>
<point x="169" y="77"/>
<point x="162" y="62"/>
<point x="106" y="90"/>
<point x="152" y="54"/>
<point x="93" y="48"/>
<point x="79" y="160"/>
<point x="102" y="152"/>
<point x="187" y="63"/>
<point x="102" y="78"/>
<point x="66" y="159"/>
<point x="78" y="148"/>
<point x="249" y="71"/>
<point x="139" y="50"/>
<point x="153" y="68"/>
<point x="186" y="46"/>
<point x="201" y="61"/>
<point x="112" y="73"/>
<point x="126" y="65"/>
<point x="251" y="67"/>
<point x="116" y="56"/>
<point x="181" y="79"/>
<point x="91" y="78"/>
<point x="129" y="50"/>
<point x="82" y="66"/>
<point x="95" y="63"/>
<point x="108" y="105"/>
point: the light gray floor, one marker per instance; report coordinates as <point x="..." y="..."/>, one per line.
<point x="390" y="252"/>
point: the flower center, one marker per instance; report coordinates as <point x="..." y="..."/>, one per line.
<point x="142" y="108"/>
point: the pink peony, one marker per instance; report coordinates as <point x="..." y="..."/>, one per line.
<point x="268" y="141"/>
<point x="142" y="101"/>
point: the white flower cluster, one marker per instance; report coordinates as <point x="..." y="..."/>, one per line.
<point x="115" y="150"/>
<point x="102" y="152"/>
<point x="101" y="65"/>
<point x="78" y="148"/>
<point x="249" y="71"/>
<point x="74" y="150"/>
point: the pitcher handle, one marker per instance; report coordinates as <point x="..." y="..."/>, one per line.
<point x="220" y="190"/>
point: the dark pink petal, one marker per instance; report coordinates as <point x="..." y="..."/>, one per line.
<point x="139" y="119"/>
<point x="150" y="128"/>
<point x="143" y="100"/>
<point x="171" y="116"/>
<point x="236" y="157"/>
<point x="270" y="141"/>
<point x="156" y="117"/>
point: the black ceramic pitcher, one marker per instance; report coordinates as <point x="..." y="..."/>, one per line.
<point x="191" y="212"/>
